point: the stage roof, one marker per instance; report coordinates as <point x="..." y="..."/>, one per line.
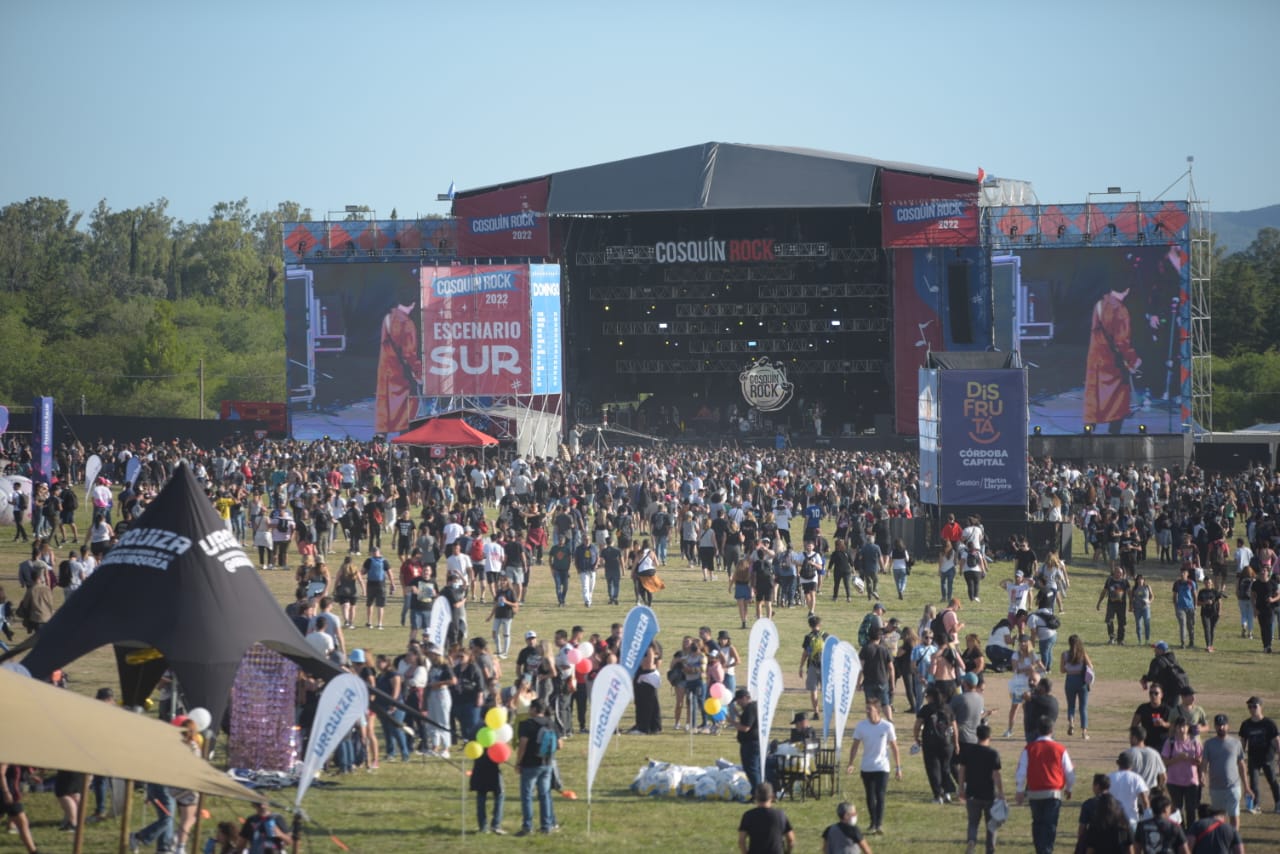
<point x="722" y="176"/>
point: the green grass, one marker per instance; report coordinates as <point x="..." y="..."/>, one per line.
<point x="403" y="807"/>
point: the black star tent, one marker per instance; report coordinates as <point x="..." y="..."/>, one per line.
<point x="180" y="583"/>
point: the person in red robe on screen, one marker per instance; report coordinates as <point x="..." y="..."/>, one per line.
<point x="1110" y="361"/>
<point x="399" y="371"/>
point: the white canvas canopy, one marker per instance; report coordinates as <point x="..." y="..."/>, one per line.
<point x="48" y="727"/>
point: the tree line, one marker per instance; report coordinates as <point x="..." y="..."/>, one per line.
<point x="116" y="312"/>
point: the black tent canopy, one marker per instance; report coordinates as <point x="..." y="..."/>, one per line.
<point x="179" y="582"/>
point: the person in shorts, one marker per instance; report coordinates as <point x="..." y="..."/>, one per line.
<point x="15" y="812"/>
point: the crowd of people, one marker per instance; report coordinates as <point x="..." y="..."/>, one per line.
<point x="482" y="532"/>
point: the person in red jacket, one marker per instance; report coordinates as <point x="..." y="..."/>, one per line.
<point x="952" y="532"/>
<point x="1045" y="778"/>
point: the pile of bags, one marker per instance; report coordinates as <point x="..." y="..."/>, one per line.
<point x="723" y="781"/>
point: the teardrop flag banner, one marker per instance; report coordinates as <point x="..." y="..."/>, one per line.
<point x="343" y="704"/>
<point x="761" y="647"/>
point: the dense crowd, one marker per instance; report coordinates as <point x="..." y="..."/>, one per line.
<point x="480" y="531"/>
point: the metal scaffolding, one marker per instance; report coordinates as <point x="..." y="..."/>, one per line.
<point x="1201" y="310"/>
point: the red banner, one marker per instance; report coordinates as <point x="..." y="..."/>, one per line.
<point x="274" y="414"/>
<point x="475" y="322"/>
<point x="506" y="223"/>
<point x="928" y="211"/>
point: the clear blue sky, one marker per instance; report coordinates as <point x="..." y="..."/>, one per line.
<point x="384" y="102"/>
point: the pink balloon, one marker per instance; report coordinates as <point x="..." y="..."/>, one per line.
<point x="586" y="650"/>
<point x="573" y="656"/>
<point x="719" y="691"/>
<point x="500" y="752"/>
<point x="583" y="666"/>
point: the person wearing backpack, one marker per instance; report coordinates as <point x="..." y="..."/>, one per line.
<point x="282" y="528"/>
<point x="811" y="660"/>
<point x="1043" y="625"/>
<point x="536" y="755"/>
<point x="935" y="731"/>
<point x="586" y="559"/>
<point x="264" y="831"/>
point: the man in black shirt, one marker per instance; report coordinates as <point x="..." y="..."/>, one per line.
<point x="980" y="785"/>
<point x="765" y="829"/>
<point x="1040" y="704"/>
<point x="1266" y="599"/>
<point x="748" y="727"/>
<point x="1261" y="740"/>
<point x="877" y="672"/>
<point x="1116" y="593"/>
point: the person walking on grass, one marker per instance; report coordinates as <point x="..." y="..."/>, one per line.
<point x="881" y="740"/>
<point x="1045" y="778"/>
<point x="765" y="829"/>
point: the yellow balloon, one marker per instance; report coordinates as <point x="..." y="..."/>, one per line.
<point x="495" y="717"/>
<point x="473" y="750"/>
<point x="711" y="706"/>
<point x="485" y="737"/>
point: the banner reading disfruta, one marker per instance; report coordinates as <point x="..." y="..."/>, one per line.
<point x="638" y="632"/>
<point x="343" y="704"/>
<point x="767" y="704"/>
<point x="42" y="440"/>
<point x="762" y="646"/>
<point x="475" y="322"/>
<point x="982" y="454"/>
<point x="845" y="666"/>
<point x="828" y="684"/>
<point x="438" y="625"/>
<point x="611" y="694"/>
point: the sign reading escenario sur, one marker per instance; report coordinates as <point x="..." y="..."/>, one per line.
<point x="983" y="453"/>
<point x="491" y="330"/>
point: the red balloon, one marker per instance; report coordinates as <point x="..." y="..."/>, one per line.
<point x="583" y="666"/>
<point x="500" y="752"/>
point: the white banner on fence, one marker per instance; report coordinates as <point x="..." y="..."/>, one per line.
<point x="761" y="647"/>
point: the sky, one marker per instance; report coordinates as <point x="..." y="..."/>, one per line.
<point x="384" y="103"/>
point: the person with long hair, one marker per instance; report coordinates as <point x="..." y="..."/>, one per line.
<point x="1182" y="754"/>
<point x="1107" y="830"/>
<point x="1076" y="666"/>
<point x="731" y="659"/>
<point x="902" y="668"/>
<point x="1110" y="362"/>
<point x="1027" y="667"/>
<point x="345" y="590"/>
<point x="974" y="660"/>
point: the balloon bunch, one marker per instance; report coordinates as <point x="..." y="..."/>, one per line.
<point x="493" y="739"/>
<point x="717" y="702"/>
<point x="579" y="657"/>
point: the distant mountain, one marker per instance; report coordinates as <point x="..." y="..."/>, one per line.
<point x="1237" y="229"/>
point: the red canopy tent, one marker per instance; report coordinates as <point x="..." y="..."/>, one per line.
<point x="449" y="432"/>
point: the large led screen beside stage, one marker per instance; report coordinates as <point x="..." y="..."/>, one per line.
<point x="335" y="316"/>
<point x="1105" y="335"/>
<point x="373" y="347"/>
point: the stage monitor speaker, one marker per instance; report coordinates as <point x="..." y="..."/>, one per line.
<point x="958" y="304"/>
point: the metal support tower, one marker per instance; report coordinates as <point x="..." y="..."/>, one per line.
<point x="1201" y="309"/>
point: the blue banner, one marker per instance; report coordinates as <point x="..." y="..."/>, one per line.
<point x="828" y="684"/>
<point x="547" y="362"/>
<point x="983" y="447"/>
<point x="42" y="440"/>
<point x="638" y="632"/>
<point x="927" y="419"/>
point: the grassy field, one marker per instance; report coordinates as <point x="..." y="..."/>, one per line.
<point x="403" y="807"/>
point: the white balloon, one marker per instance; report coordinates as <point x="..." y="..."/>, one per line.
<point x="202" y="718"/>
<point x="586" y="650"/>
<point x="503" y="733"/>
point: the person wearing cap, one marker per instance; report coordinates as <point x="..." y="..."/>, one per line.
<point x="1223" y="768"/>
<point x="1261" y="739"/>
<point x="969" y="709"/>
<point x="748" y="727"/>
